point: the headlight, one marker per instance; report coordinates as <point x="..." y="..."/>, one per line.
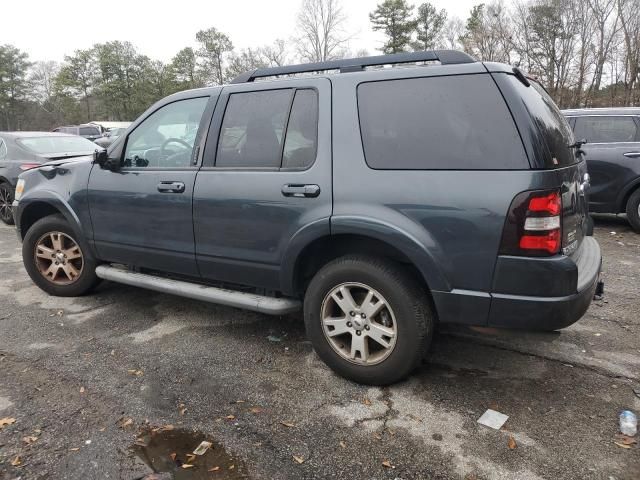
<point x="19" y="189"/>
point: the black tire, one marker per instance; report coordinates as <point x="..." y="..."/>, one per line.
<point x="633" y="213"/>
<point x="408" y="300"/>
<point x="82" y="284"/>
<point x="6" y="200"/>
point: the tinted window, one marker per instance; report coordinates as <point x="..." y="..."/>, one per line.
<point x="553" y="133"/>
<point x="89" y="131"/>
<point x="3" y="149"/>
<point x="252" y="129"/>
<point x="442" y="123"/>
<point x="166" y="138"/>
<point x="302" y="131"/>
<point x="606" y="129"/>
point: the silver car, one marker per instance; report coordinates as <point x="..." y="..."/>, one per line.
<point x="20" y="151"/>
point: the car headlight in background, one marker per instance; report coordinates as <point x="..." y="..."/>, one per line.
<point x="19" y="189"/>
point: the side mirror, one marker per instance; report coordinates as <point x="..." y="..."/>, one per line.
<point x="107" y="163"/>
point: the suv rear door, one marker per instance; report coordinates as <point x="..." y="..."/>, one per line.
<point x="613" y="155"/>
<point x="265" y="181"/>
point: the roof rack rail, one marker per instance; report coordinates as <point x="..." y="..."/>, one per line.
<point x="446" y="57"/>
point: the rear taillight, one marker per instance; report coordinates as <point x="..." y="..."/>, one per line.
<point x="28" y="166"/>
<point x="534" y="224"/>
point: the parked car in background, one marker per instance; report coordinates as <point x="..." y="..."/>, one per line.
<point x="87" y="130"/>
<point x="21" y="151"/>
<point x="109" y="137"/>
<point x="613" y="158"/>
<point x="380" y="201"/>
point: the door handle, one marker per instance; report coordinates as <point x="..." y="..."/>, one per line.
<point x="299" y="190"/>
<point x="632" y="154"/>
<point x="171" y="187"/>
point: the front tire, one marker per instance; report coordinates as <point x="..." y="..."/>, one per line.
<point x="6" y="203"/>
<point x="633" y="210"/>
<point x="368" y="319"/>
<point x="56" y="261"/>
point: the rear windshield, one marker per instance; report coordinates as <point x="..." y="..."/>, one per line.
<point x="554" y="131"/>
<point x="58" y="144"/>
<point x="438" y="123"/>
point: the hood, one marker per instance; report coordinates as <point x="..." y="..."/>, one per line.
<point x="64" y="155"/>
<point x="56" y="162"/>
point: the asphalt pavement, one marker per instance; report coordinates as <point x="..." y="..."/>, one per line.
<point x="124" y="381"/>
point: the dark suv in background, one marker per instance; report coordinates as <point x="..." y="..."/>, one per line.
<point x="613" y="157"/>
<point x="380" y="200"/>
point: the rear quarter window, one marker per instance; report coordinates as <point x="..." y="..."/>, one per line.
<point x="606" y="129"/>
<point x="438" y="123"/>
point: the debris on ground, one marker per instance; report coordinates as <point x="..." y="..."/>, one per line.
<point x="493" y="419"/>
<point x="298" y="459"/>
<point x="288" y="424"/>
<point x="387" y="464"/>
<point x="202" y="448"/>
<point x="6" y="421"/>
<point x="274" y="338"/>
<point x="628" y="423"/>
<point x="512" y="443"/>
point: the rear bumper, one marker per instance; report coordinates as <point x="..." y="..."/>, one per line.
<point x="575" y="281"/>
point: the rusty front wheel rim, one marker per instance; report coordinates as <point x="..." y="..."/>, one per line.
<point x="59" y="258"/>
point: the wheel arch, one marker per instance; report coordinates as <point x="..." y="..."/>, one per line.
<point x="626" y="193"/>
<point x="375" y="239"/>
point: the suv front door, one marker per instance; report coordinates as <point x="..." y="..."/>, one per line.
<point x="612" y="154"/>
<point x="141" y="214"/>
<point x="265" y="181"/>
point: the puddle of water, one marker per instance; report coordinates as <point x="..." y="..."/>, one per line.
<point x="165" y="451"/>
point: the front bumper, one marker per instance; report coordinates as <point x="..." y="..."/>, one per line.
<point x="574" y="289"/>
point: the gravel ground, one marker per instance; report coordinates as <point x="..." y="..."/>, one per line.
<point x="85" y="377"/>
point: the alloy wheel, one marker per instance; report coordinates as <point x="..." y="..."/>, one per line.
<point x="59" y="258"/>
<point x="359" y="323"/>
<point x="6" y="201"/>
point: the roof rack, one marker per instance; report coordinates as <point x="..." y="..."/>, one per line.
<point x="446" y="57"/>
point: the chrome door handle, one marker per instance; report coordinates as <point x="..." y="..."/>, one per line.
<point x="296" y="190"/>
<point x="171" y="187"/>
<point x="632" y="154"/>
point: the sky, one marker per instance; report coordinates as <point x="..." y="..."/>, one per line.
<point x="49" y="30"/>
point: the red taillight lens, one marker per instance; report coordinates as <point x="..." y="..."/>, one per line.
<point x="28" y="166"/>
<point x="551" y="204"/>
<point x="549" y="242"/>
<point x="534" y="224"/>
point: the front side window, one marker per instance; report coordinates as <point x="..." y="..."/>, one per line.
<point x="606" y="129"/>
<point x="438" y="123"/>
<point x="167" y="137"/>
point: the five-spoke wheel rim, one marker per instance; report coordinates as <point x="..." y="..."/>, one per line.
<point x="5" y="204"/>
<point x="58" y="258"/>
<point x="359" y="323"/>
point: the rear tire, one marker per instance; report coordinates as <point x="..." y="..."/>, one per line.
<point x="633" y="210"/>
<point x="6" y="201"/>
<point x="56" y="261"/>
<point x="384" y="314"/>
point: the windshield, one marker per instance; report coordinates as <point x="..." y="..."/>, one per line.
<point x="58" y="144"/>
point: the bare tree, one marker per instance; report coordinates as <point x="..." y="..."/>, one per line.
<point x="275" y="54"/>
<point x="321" y="30"/>
<point x="630" y="22"/>
<point x="452" y="33"/>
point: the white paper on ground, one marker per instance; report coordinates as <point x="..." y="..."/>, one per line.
<point x="493" y="419"/>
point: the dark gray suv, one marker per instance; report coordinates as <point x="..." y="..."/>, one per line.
<point x="379" y="200"/>
<point x="613" y="156"/>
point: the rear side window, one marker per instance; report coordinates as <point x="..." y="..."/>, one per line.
<point x="253" y="129"/>
<point x="438" y="123"/>
<point x="89" y="131"/>
<point x="3" y="149"/>
<point x="606" y="129"/>
<point x="301" y="142"/>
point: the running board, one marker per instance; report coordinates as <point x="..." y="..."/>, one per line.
<point x="231" y="298"/>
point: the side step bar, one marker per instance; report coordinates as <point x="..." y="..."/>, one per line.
<point x="231" y="298"/>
